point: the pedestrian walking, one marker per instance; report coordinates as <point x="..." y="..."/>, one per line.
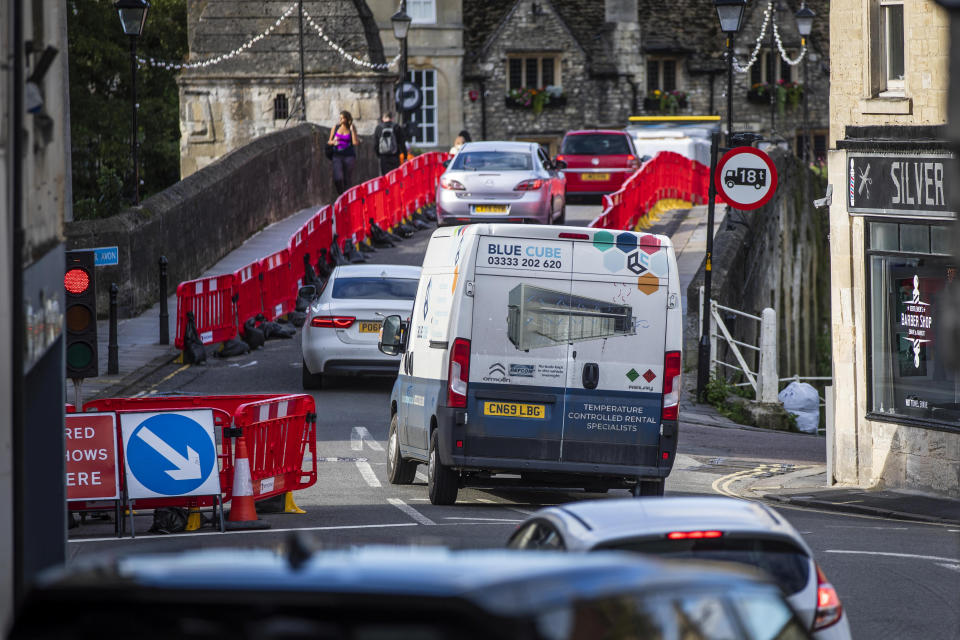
<point x="344" y="140"/>
<point x="391" y="142"/>
<point x="462" y="138"/>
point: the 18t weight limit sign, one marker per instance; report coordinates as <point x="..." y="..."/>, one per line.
<point x="746" y="178"/>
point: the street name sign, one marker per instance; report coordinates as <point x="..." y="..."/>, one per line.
<point x="170" y="453"/>
<point x="746" y="178"/>
<point x="91" y="440"/>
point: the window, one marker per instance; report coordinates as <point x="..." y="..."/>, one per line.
<point x="770" y="68"/>
<point x="281" y="109"/>
<point x="533" y="72"/>
<point x="661" y="74"/>
<point x="424" y="119"/>
<point x="422" y="11"/>
<point x="892" y="46"/>
<point x="375" y="288"/>
<point x="908" y="268"/>
<point x="819" y="144"/>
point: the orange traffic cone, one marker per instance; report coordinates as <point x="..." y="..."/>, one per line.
<point x="243" y="511"/>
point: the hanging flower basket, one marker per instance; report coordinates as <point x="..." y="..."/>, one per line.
<point x="665" y="101"/>
<point x="535" y="99"/>
<point x="786" y="94"/>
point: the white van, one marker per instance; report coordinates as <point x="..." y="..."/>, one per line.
<point x="538" y="355"/>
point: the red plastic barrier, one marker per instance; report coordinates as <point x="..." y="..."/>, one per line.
<point x="355" y="207"/>
<point x="278" y="292"/>
<point x="246" y="292"/>
<point x="375" y="192"/>
<point x="209" y="300"/>
<point x="322" y="237"/>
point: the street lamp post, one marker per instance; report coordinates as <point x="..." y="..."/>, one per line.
<point x="805" y="18"/>
<point x="401" y="26"/>
<point x="730" y="13"/>
<point x="133" y="14"/>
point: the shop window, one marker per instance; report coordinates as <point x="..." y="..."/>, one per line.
<point x="662" y="75"/>
<point x="908" y="268"/>
<point x="533" y="72"/>
<point x="424" y="119"/>
<point x="281" y="108"/>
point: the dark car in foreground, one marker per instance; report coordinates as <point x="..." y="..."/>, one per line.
<point x="410" y="593"/>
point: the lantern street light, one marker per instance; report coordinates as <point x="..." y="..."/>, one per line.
<point x="730" y="14"/>
<point x="133" y="15"/>
<point x="401" y="26"/>
<point x="805" y="18"/>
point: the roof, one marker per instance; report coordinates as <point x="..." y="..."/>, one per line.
<point x="543" y="231"/>
<point x="480" y="20"/>
<point x="378" y="270"/>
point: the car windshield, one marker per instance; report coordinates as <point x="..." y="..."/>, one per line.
<point x="493" y="161"/>
<point x="375" y="288"/>
<point x="786" y="564"/>
<point x="596" y="144"/>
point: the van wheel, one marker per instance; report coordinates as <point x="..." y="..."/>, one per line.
<point x="399" y="471"/>
<point x="311" y="381"/>
<point x="441" y="480"/>
<point x="648" y="488"/>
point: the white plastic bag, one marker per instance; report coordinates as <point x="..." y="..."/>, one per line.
<point x="801" y="399"/>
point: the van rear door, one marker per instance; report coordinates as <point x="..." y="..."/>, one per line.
<point x="518" y="349"/>
<point x="619" y="296"/>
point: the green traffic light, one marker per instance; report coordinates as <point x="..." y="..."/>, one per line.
<point x="79" y="355"/>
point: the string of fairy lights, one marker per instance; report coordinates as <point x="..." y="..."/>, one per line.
<point x="755" y="54"/>
<point x="199" y="64"/>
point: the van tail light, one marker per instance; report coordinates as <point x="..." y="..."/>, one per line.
<point x="450" y="183"/>
<point x="671" y="385"/>
<point x="633" y="163"/>
<point x="693" y="535"/>
<point x="332" y="322"/>
<point x="458" y="374"/>
<point x="529" y="185"/>
<point x="829" y="608"/>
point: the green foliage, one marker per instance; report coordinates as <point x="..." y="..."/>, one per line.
<point x="717" y="392"/>
<point x="100" y="103"/>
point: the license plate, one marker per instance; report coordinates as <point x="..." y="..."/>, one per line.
<point x="595" y="177"/>
<point x="369" y="327"/>
<point x="490" y="208"/>
<point x="514" y="410"/>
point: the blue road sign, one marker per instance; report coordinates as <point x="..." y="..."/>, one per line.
<point x="106" y="256"/>
<point x="170" y="454"/>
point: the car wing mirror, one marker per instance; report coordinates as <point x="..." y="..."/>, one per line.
<point x="308" y="291"/>
<point x="392" y="339"/>
<point x="446" y="163"/>
<point x="559" y="165"/>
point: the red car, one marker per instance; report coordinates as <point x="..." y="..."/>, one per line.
<point x="598" y="161"/>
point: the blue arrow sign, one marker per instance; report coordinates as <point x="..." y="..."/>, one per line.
<point x="170" y="454"/>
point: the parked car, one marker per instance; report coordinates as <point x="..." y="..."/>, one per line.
<point x="501" y="182"/>
<point x="340" y="334"/>
<point x="598" y="161"/>
<point x="702" y="528"/>
<point x="387" y="593"/>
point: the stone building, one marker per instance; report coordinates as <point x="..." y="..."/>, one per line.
<point x="225" y="105"/>
<point x="897" y="405"/>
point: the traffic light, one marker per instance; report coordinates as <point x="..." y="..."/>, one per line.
<point x="81" y="315"/>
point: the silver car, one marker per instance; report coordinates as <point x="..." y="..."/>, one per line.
<point x="704" y="528"/>
<point x="342" y="328"/>
<point x="501" y="182"/>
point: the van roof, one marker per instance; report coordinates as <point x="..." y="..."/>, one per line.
<point x="541" y="232"/>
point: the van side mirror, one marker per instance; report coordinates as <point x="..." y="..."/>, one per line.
<point x="307" y="291"/>
<point x="392" y="336"/>
<point x="559" y="165"/>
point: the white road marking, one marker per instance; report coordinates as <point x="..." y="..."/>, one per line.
<point x="486" y="500"/>
<point x="850" y="526"/>
<point x="243" y="366"/>
<point x="947" y="565"/>
<point x="525" y="512"/>
<point x="410" y="511"/>
<point x="368" y="475"/>
<point x="217" y="531"/>
<point x="894" y="555"/>
<point x="421" y="476"/>
<point x="419" y="499"/>
<point x="359" y="435"/>
<point x="483" y="519"/>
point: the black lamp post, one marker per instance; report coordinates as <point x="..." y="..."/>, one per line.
<point x="401" y="26"/>
<point x="805" y="18"/>
<point x="730" y="13"/>
<point x="133" y="14"/>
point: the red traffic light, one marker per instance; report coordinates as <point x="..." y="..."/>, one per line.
<point x="76" y="281"/>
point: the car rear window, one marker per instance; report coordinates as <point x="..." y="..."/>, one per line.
<point x="492" y="161"/>
<point x="788" y="565"/>
<point x="596" y="144"/>
<point x="375" y="288"/>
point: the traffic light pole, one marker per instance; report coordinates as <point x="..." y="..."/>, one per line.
<point x="703" y="355"/>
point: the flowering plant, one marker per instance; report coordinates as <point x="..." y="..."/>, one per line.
<point x="666" y="101"/>
<point x="535" y="99"/>
<point x="785" y="93"/>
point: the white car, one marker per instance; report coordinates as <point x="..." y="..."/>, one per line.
<point x="343" y="324"/>
<point x="703" y="528"/>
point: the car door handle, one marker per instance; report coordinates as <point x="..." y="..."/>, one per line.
<point x="591" y="375"/>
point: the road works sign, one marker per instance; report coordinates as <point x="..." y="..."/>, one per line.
<point x="746" y="177"/>
<point x="92" y="457"/>
<point x="170" y="453"/>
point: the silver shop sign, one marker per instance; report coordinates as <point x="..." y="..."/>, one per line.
<point x="901" y="185"/>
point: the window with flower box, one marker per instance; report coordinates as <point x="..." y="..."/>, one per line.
<point x="770" y="68"/>
<point x="661" y="74"/>
<point x="538" y="71"/>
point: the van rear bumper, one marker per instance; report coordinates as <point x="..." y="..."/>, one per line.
<point x="513" y="465"/>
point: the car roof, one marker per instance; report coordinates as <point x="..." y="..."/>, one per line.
<point x="505" y="582"/>
<point x="584" y="132"/>
<point x="614" y="519"/>
<point x="377" y="270"/>
<point x="499" y="145"/>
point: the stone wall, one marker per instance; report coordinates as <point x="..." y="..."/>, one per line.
<point x="203" y="217"/>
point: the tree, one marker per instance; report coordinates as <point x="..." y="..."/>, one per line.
<point x="100" y="104"/>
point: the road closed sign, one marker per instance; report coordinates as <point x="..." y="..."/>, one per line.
<point x="746" y="178"/>
<point x="170" y="453"/>
<point x="92" y="457"/>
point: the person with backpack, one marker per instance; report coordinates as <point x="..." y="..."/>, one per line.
<point x="391" y="142"/>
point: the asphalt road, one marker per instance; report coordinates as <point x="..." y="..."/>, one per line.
<point x="896" y="579"/>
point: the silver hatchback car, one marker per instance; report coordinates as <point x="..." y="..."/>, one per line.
<point x="501" y="182"/>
